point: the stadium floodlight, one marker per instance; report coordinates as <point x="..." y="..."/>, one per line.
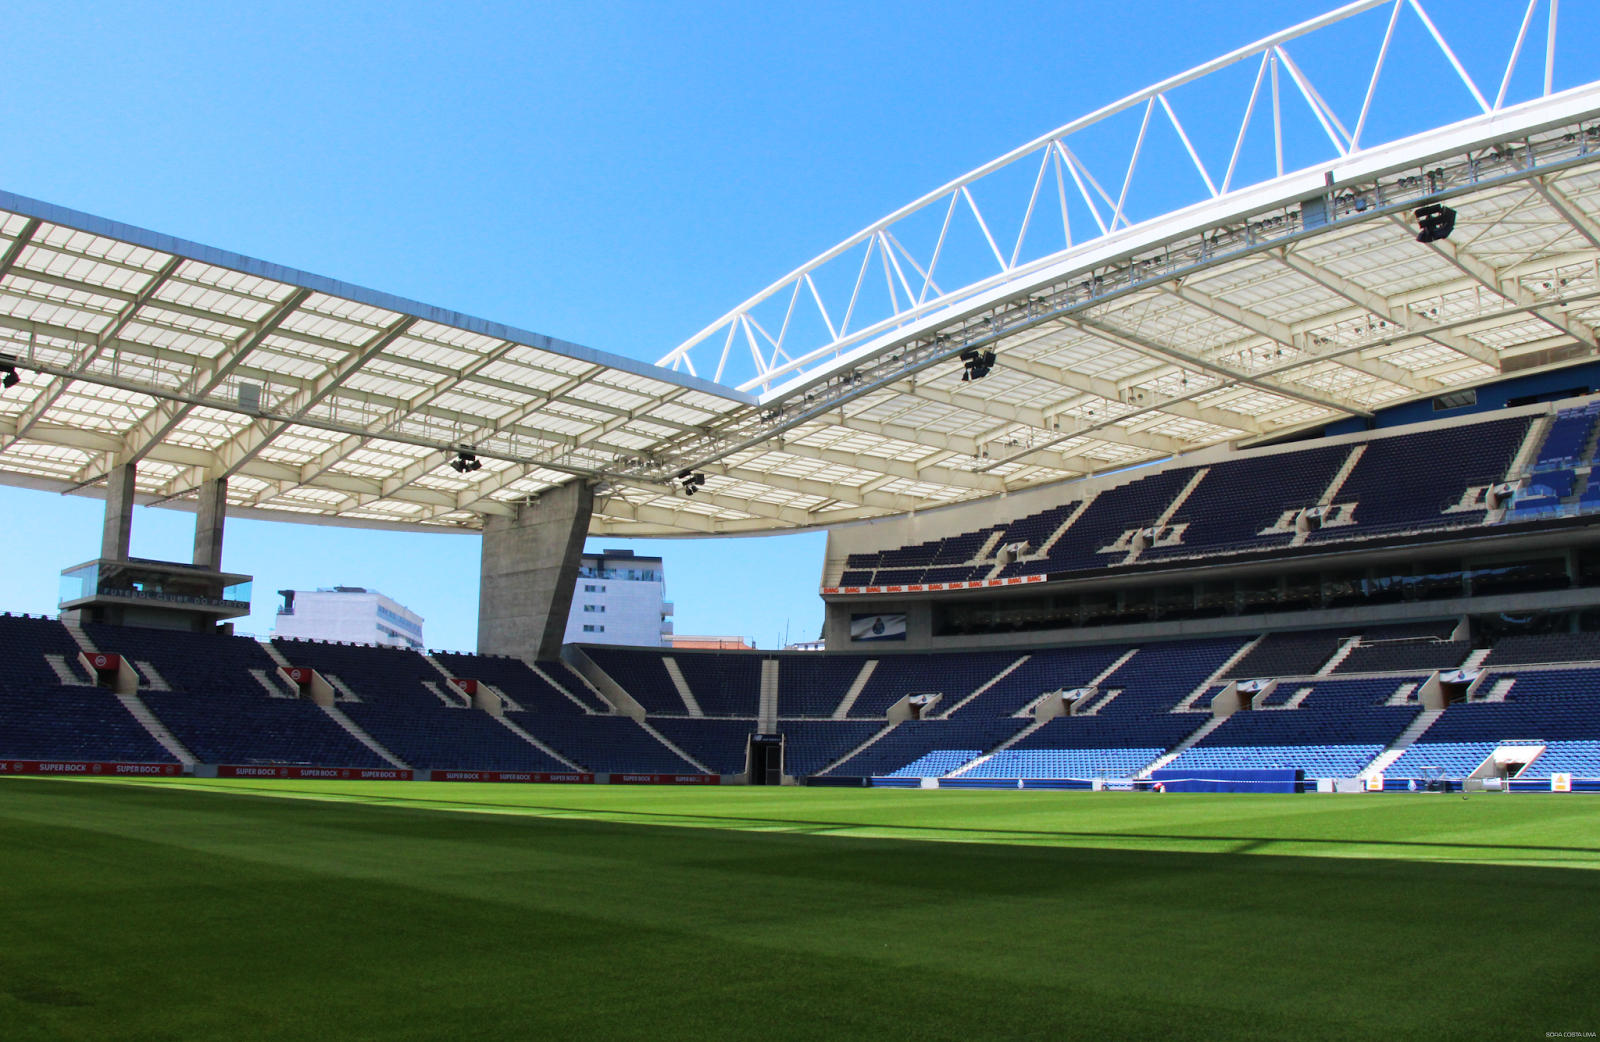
<point x="464" y="462"/>
<point x="691" y="481"/>
<point x="977" y="363"/>
<point x="8" y="366"/>
<point x="1436" y="220"/>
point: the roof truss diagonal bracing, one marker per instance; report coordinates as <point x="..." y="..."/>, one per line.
<point x="1286" y="290"/>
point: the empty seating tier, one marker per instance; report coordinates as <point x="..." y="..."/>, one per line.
<point x="223" y="698"/>
<point x="1396" y="483"/>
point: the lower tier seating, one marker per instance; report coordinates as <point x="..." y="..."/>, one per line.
<point x="224" y="700"/>
<point x="73" y="723"/>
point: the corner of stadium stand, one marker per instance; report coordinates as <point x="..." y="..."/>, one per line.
<point x="1292" y="486"/>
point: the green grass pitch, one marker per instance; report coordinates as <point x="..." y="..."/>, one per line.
<point x="245" y="910"/>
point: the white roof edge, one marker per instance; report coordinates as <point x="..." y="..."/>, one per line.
<point x="163" y="243"/>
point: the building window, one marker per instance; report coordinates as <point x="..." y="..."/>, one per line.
<point x="588" y="589"/>
<point x="594" y="629"/>
<point x="594" y="607"/>
<point x="1456" y="400"/>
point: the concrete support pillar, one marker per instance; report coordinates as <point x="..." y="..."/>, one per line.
<point x="208" y="524"/>
<point x="118" y="530"/>
<point x="530" y="566"/>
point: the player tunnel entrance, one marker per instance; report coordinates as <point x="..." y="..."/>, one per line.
<point x="764" y="762"/>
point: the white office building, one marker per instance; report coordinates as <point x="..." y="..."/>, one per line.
<point x="347" y="613"/>
<point x="620" y="599"/>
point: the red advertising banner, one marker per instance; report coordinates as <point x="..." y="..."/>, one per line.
<point x="332" y="773"/>
<point x="513" y="776"/>
<point x="89" y="768"/>
<point x="666" y="779"/>
<point x="1015" y="580"/>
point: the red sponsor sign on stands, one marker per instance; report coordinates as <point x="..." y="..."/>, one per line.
<point x="333" y="773"/>
<point x="88" y="767"/>
<point x="976" y="584"/>
<point x="666" y="779"/>
<point x="512" y="776"/>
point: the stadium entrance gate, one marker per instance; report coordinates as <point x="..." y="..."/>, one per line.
<point x="765" y="760"/>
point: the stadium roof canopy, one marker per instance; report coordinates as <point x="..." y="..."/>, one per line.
<point x="1268" y="302"/>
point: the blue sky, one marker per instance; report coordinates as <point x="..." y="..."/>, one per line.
<point x="614" y="174"/>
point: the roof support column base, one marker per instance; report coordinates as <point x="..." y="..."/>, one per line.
<point x="529" y="570"/>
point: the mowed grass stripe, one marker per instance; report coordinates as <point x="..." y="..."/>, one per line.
<point x="170" y="912"/>
<point x="1526" y="829"/>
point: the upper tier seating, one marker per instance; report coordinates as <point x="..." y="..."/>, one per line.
<point x="810" y="745"/>
<point x="1567" y="438"/>
<point x="952" y="674"/>
<point x="525" y="687"/>
<point x="1400" y="483"/>
<point x="1433" y="629"/>
<point x="1112" y="512"/>
<point x="1549" y="647"/>
<point x="642" y="674"/>
<point x="1239" y="498"/>
<point x="1288" y="655"/>
<point x="610" y="744"/>
<point x="719" y="744"/>
<point x="1405" y="483"/>
<point x="723" y="685"/>
<point x="1050" y="670"/>
<point x="813" y="685"/>
<point x="1416" y="656"/>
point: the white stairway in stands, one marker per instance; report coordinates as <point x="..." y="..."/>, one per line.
<point x="64" y="672"/>
<point x="1008" y="743"/>
<point x="273" y="653"/>
<point x="1187" y="705"/>
<point x="355" y="730"/>
<point x="1402" y="742"/>
<point x="574" y="699"/>
<point x="841" y="761"/>
<point x="1331" y="493"/>
<point x="1339" y="656"/>
<point x="1183" y="746"/>
<point x="133" y="703"/>
<point x="767" y="704"/>
<point x="664" y="740"/>
<point x="531" y="740"/>
<point x="158" y="730"/>
<point x="690" y="703"/>
<point x="991" y="682"/>
<point x="81" y="638"/>
<point x="856" y="688"/>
